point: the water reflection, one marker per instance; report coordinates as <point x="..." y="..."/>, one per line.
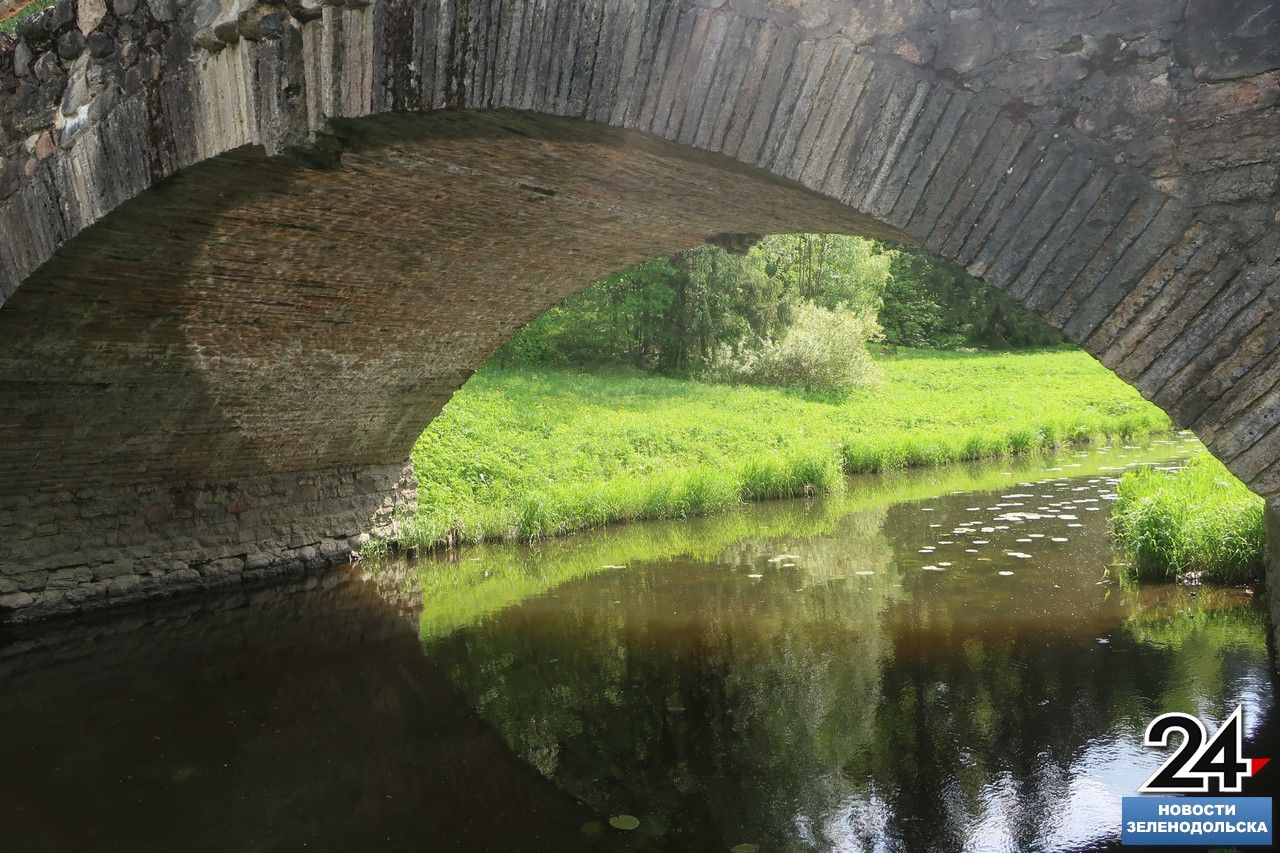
<point x="844" y="690"/>
<point x="794" y="676"/>
<point x="297" y="716"/>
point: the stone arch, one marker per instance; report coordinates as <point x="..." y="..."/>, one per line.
<point x="205" y="239"/>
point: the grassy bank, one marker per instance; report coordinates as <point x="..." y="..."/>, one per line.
<point x="461" y="587"/>
<point x="531" y="453"/>
<point x="1197" y="519"/>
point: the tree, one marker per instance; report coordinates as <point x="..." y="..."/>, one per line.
<point x="668" y="315"/>
<point x="931" y="303"/>
<point x="706" y="309"/>
<point x="829" y="270"/>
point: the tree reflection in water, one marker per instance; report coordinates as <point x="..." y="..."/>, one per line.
<point x="849" y="699"/>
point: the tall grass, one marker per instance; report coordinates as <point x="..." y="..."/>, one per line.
<point x="10" y="24"/>
<point x="525" y="454"/>
<point x="462" y="586"/>
<point x="1197" y="519"/>
<point x="563" y="507"/>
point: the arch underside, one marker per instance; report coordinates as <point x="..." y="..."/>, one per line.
<point x="216" y="361"/>
<point x="249" y="350"/>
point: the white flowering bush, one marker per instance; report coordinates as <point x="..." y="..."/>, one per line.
<point x="823" y="349"/>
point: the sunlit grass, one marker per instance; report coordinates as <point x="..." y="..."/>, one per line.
<point x="1197" y="519"/>
<point x="10" y="25"/>
<point x="525" y="454"/>
<point x="468" y="583"/>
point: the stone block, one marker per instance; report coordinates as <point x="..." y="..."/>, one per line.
<point x="185" y="578"/>
<point x="30" y="581"/>
<point x="71" y="576"/>
<point x="113" y="569"/>
<point x="163" y="10"/>
<point x="222" y="571"/>
<point x="124" y="586"/>
<point x="89" y="14"/>
<point x="85" y="594"/>
<point x="15" y="601"/>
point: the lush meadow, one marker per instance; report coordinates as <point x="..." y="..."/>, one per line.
<point x="533" y="452"/>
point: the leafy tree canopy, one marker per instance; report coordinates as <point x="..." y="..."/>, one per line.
<point x="705" y="311"/>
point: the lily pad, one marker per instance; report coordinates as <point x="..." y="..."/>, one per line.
<point x="624" y="822"/>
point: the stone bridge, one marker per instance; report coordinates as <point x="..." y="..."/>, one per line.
<point x="249" y="250"/>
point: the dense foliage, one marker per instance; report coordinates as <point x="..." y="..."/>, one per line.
<point x="930" y="303"/>
<point x="668" y="315"/>
<point x="705" y="312"/>
<point x="1197" y="519"/>
<point x="532" y="452"/>
<point x="823" y="349"/>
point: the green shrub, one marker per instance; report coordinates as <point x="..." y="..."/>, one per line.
<point x="1197" y="519"/>
<point x="824" y="349"/>
<point x="1024" y="440"/>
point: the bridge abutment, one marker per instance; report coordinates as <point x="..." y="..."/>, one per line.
<point x="64" y="551"/>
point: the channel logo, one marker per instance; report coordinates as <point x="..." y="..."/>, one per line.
<point x="1200" y="765"/>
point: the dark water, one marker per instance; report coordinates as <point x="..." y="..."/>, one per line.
<point x="927" y="662"/>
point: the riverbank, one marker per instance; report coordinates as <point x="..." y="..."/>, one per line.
<point x="1198" y="521"/>
<point x="462" y="586"/>
<point x="523" y="454"/>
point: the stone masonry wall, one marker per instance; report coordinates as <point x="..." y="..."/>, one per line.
<point x="87" y="548"/>
<point x="1182" y="94"/>
<point x="1187" y="92"/>
<point x="252" y="243"/>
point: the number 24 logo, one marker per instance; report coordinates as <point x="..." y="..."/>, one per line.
<point x="1191" y="768"/>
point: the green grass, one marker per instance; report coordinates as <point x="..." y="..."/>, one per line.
<point x="10" y="25"/>
<point x="1197" y="519"/>
<point x="467" y="584"/>
<point x="524" y="454"/>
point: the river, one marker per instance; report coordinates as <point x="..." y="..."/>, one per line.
<point x="937" y="660"/>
